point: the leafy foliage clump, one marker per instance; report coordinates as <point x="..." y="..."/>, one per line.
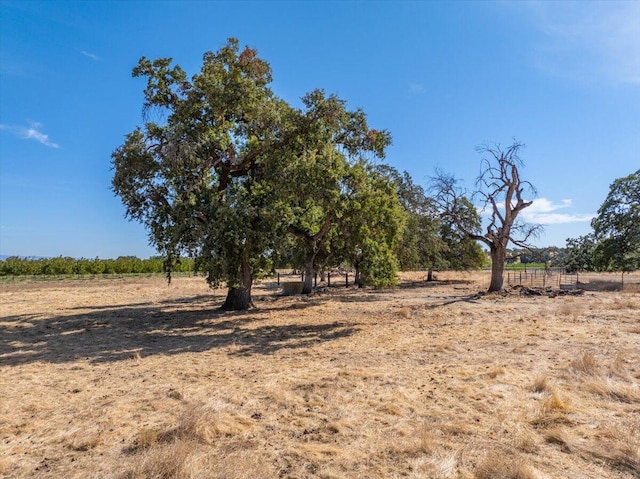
<point x="617" y="226"/>
<point x="614" y="243"/>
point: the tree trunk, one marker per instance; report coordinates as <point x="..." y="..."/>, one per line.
<point x="498" y="255"/>
<point x="239" y="297"/>
<point x="357" y="279"/>
<point x="430" y="274"/>
<point x="307" y="287"/>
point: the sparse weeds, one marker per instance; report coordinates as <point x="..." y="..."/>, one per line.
<point x="198" y="423"/>
<point x="440" y="466"/>
<point x="82" y="441"/>
<point x="495" y="372"/>
<point x="618" y="446"/>
<point x="569" y="309"/>
<point x="540" y="384"/>
<point x="559" y="437"/>
<point x="585" y="364"/>
<point x="501" y="465"/>
<point x="555" y="403"/>
<point x="615" y="390"/>
<point x="624" y="303"/>
<point x="553" y="410"/>
<point x="145" y="438"/>
<point x="524" y="439"/>
<point x="170" y="453"/>
<point x="624" y="457"/>
<point x="164" y="461"/>
<point x="619" y="366"/>
<point x="420" y="442"/>
<point x="5" y="467"/>
<point x="632" y="288"/>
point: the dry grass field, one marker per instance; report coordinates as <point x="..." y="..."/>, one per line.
<point x="134" y="379"/>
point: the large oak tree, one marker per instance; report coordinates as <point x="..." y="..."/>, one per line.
<point x="205" y="173"/>
<point x="194" y="177"/>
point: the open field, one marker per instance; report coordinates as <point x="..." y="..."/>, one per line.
<point x="131" y="378"/>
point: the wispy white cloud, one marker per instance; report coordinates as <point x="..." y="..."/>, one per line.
<point x="32" y="132"/>
<point x="416" y="88"/>
<point x="87" y="54"/>
<point x="587" y="40"/>
<point x="545" y="212"/>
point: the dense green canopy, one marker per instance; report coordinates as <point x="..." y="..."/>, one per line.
<point x="230" y="174"/>
<point x="617" y="226"/>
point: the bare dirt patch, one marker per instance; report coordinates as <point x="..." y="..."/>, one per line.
<point x="136" y="379"/>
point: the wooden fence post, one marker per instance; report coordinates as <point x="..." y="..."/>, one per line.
<point x="346" y="280"/>
<point x="329" y="279"/>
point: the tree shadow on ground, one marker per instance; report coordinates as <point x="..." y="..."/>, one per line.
<point x="435" y="283"/>
<point x="113" y="333"/>
<point x="469" y="298"/>
<point x="353" y="295"/>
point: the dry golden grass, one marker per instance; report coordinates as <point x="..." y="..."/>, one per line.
<point x="552" y="411"/>
<point x="540" y="384"/>
<point x="585" y="364"/>
<point x="614" y="389"/>
<point x="570" y="309"/>
<point x="633" y="288"/>
<point x="134" y="379"/>
<point x="505" y="465"/>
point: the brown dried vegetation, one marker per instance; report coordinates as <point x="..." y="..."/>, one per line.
<point x="132" y="379"/>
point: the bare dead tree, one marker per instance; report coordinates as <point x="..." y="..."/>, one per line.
<point x="502" y="194"/>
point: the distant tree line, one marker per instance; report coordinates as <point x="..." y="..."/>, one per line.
<point x="550" y="256"/>
<point x="64" y="265"/>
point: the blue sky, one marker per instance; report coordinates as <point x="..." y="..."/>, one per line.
<point x="442" y="77"/>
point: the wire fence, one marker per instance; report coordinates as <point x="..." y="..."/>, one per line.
<point x="559" y="278"/>
<point x="554" y="278"/>
<point x="291" y="281"/>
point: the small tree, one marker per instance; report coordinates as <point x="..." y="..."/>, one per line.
<point x="501" y="191"/>
<point x="580" y="253"/>
<point x="617" y="226"/>
<point x="462" y="252"/>
<point x="311" y="177"/>
<point x="370" y="226"/>
<point x="420" y="246"/>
